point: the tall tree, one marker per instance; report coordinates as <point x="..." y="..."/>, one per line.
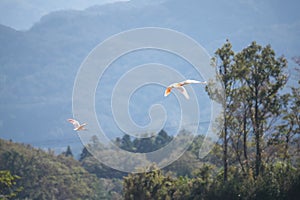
<point x="225" y="54"/>
<point x="69" y="152"/>
<point x="264" y="75"/>
<point x="84" y="154"/>
<point x="290" y="123"/>
<point x="240" y="125"/>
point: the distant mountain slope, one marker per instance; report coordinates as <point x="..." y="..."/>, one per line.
<point x="39" y="66"/>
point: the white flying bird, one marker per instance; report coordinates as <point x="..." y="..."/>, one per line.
<point x="180" y="87"/>
<point x="77" y="126"/>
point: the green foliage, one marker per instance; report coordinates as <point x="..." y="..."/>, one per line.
<point x="147" y="185"/>
<point x="185" y="165"/>
<point x="92" y="165"/>
<point x="144" y="145"/>
<point x="47" y="176"/>
<point x="279" y="182"/>
<point x="7" y="185"/>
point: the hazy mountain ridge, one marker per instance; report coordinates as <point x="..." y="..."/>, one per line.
<point x="39" y="67"/>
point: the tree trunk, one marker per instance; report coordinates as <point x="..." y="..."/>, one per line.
<point x="257" y="136"/>
<point x="245" y="137"/>
<point x="225" y="159"/>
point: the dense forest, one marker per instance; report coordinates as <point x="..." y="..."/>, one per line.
<point x="256" y="156"/>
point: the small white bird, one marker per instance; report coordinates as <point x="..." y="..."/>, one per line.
<point x="180" y="87"/>
<point x="77" y="125"/>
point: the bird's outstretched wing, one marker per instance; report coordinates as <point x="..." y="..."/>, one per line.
<point x="74" y="122"/>
<point x="180" y="87"/>
<point x="192" y="81"/>
<point x="183" y="91"/>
